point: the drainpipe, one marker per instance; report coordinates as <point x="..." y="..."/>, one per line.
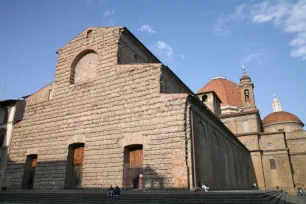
<point x="192" y="149"/>
<point x="186" y="143"/>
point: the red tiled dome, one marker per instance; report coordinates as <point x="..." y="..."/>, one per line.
<point x="226" y="90"/>
<point x="280" y="116"/>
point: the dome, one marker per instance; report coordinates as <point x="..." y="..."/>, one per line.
<point x="226" y="90"/>
<point x="280" y="116"/>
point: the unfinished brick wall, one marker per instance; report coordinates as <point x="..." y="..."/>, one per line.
<point x="120" y="105"/>
<point x="122" y="101"/>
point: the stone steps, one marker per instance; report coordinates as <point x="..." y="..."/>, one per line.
<point x="246" y="197"/>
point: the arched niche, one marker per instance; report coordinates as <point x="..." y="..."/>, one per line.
<point x="84" y="67"/>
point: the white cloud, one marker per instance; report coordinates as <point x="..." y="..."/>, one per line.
<point x="224" y="24"/>
<point x="93" y="1"/>
<point x="164" y="50"/>
<point x="286" y="15"/>
<point x="256" y="56"/>
<point x="107" y="20"/>
<point x="109" y="13"/>
<point x="146" y="28"/>
<point x="182" y="56"/>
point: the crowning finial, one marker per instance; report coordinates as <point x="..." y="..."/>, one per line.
<point x="243" y="68"/>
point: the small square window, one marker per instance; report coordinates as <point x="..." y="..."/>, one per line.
<point x="272" y="164"/>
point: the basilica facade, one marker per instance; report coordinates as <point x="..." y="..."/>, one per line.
<point x="115" y="115"/>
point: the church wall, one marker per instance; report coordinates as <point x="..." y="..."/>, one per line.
<point x="275" y="151"/>
<point x="251" y="141"/>
<point x="123" y="105"/>
<point x="280" y="176"/>
<point x="286" y="127"/>
<point x="299" y="169"/>
<point x="258" y="169"/>
<point x="236" y="123"/>
<point x="221" y="162"/>
<point x="129" y="48"/>
<point x="171" y="84"/>
<point x="297" y="148"/>
<point x="43" y="95"/>
<point x="274" y="141"/>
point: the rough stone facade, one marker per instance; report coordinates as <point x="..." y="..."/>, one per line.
<point x="120" y="96"/>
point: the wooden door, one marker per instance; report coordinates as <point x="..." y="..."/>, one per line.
<point x="29" y="172"/>
<point x="136" y="167"/>
<point x="136" y="158"/>
<point x="78" y="157"/>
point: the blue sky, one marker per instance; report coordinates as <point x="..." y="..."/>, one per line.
<point x="198" y="40"/>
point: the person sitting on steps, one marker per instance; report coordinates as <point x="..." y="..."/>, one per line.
<point x="202" y="187"/>
<point x="117" y="191"/>
<point x="110" y="191"/>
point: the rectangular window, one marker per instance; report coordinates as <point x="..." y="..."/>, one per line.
<point x="272" y="164"/>
<point x="245" y="126"/>
<point x="4" y="115"/>
<point x="1" y="115"/>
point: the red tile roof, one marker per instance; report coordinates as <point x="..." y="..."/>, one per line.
<point x="280" y="116"/>
<point x="227" y="91"/>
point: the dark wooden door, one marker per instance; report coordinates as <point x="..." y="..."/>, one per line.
<point x="29" y="172"/>
<point x="78" y="157"/>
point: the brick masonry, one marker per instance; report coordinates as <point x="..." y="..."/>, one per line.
<point x="113" y="105"/>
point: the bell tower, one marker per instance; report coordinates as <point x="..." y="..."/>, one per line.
<point x="247" y="92"/>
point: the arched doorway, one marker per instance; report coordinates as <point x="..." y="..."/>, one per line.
<point x="74" y="165"/>
<point x="29" y="171"/>
<point x="132" y="173"/>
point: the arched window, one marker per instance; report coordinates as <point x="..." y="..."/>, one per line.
<point x="84" y="67"/>
<point x="247" y="95"/>
<point x="204" y="98"/>
<point x="89" y="34"/>
<point x="245" y="126"/>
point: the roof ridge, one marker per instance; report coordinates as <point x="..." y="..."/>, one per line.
<point x="225" y="91"/>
